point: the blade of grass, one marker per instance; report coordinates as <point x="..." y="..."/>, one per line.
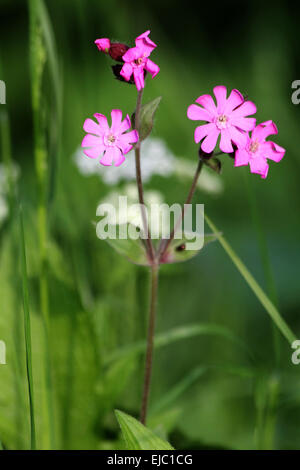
<point x="27" y="331"/>
<point x="6" y="148"/>
<point x="176" y="334"/>
<point x="37" y="62"/>
<point x="54" y="71"/>
<point x="270" y="418"/>
<point x="265" y="260"/>
<point x="260" y="294"/>
<point x="175" y="392"/>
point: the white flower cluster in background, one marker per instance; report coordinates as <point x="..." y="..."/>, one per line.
<point x="156" y="159"/>
<point x="4" y="188"/>
<point x="132" y="214"/>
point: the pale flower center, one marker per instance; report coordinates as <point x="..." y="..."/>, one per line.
<point x="110" y="140"/>
<point x="140" y="61"/>
<point x="221" y="121"/>
<point x="253" y="147"/>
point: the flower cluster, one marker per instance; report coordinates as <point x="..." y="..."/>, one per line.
<point x="229" y="119"/>
<point x="135" y="60"/>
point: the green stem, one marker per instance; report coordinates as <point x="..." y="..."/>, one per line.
<point x="150" y="343"/>
<point x="166" y="243"/>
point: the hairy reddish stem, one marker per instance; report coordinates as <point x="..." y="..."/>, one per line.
<point x="166" y="243"/>
<point x="150" y="342"/>
<point x="149" y="245"/>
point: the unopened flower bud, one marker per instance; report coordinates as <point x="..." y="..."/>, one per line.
<point x="117" y="50"/>
<point x="103" y="45"/>
<point x="204" y="155"/>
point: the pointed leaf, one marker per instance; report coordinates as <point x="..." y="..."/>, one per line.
<point x="137" y="436"/>
<point x="147" y="118"/>
<point x="182" y="249"/>
<point x="133" y="250"/>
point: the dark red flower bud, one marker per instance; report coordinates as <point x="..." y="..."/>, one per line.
<point x="116" y="71"/>
<point x="204" y="155"/>
<point x="117" y="50"/>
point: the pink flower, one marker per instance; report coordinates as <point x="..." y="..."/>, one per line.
<point x="136" y="60"/>
<point x="257" y="149"/>
<point x="227" y="118"/>
<point x="114" y="141"/>
<point x="103" y="44"/>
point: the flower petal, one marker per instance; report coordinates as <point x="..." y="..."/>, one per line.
<point x="263" y="130"/>
<point x="103" y="124"/>
<point x="145" y="43"/>
<point x="273" y="151"/>
<point x="92" y="127"/>
<point x="247" y="124"/>
<point x="220" y="93"/>
<point x="126" y="71"/>
<point x="90" y="140"/>
<point x="93" y="152"/>
<point x="116" y="119"/>
<point x="225" y="142"/>
<point x="235" y="99"/>
<point x="132" y="54"/>
<point x="203" y="131"/>
<point x="246" y="109"/>
<point x="103" y="44"/>
<point x="125" y="141"/>
<point x="208" y="103"/>
<point x="210" y="141"/>
<point x="241" y="157"/>
<point x="152" y="68"/>
<point x="108" y="157"/>
<point x="111" y="155"/>
<point x="119" y="159"/>
<point x="139" y="78"/>
<point x="239" y="138"/>
<point x="196" y="113"/>
<point x="125" y="124"/>
<point x="259" y="165"/>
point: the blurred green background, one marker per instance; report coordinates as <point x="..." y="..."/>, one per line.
<point x="244" y="397"/>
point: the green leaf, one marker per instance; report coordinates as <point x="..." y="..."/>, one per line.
<point x="133" y="250"/>
<point x="180" y="249"/>
<point x="214" y="164"/>
<point x="260" y="294"/>
<point x="137" y="436"/>
<point x="147" y="113"/>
